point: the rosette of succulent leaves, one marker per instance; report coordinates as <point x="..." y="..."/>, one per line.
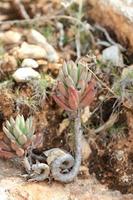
<point x="19" y="136"/>
<point x="74" y="90"/>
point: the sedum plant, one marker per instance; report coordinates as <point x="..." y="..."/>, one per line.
<point x="74" y="90"/>
<point x="20" y="133"/>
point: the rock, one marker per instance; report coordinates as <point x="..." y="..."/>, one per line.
<point x="117" y="15"/>
<point x="28" y="62"/>
<point x="8" y="63"/>
<point x="86" y="114"/>
<point x="86" y="150"/>
<point x="63" y="125"/>
<point x="37" y="38"/>
<point x="3" y="194"/>
<point x="84" y="189"/>
<point x="16" y="188"/>
<point x="10" y="37"/>
<point x="127" y="73"/>
<point x="30" y="51"/>
<point x="25" y="74"/>
<point x="52" y="154"/>
<point x="113" y="55"/>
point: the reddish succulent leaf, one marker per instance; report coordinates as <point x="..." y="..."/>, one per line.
<point x="87" y="100"/>
<point x="61" y="103"/>
<point x="28" y="143"/>
<point x="38" y="140"/>
<point x="90" y="87"/>
<point x="73" y="98"/>
<point x="4" y="146"/>
<point x="6" y="154"/>
<point x="62" y="89"/>
<point x="19" y="151"/>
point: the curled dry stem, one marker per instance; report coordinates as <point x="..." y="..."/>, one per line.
<point x="58" y="163"/>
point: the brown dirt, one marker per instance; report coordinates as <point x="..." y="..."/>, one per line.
<point x="113" y="163"/>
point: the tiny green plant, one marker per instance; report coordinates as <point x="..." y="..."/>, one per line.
<point x="20" y="133"/>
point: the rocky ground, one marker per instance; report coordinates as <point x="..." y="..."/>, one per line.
<point x="31" y="53"/>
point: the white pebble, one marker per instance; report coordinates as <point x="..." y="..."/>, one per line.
<point x="25" y="74"/>
<point x="10" y="37"/>
<point x="31" y="51"/>
<point x="28" y="62"/>
<point x="37" y="38"/>
<point x="114" y="55"/>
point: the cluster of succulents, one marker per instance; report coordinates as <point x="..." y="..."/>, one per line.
<point x="75" y="87"/>
<point x="19" y="135"/>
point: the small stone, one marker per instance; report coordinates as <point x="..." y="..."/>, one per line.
<point x="8" y="63"/>
<point x="86" y="150"/>
<point x="86" y="114"/>
<point x="127" y="72"/>
<point x="53" y="153"/>
<point x="37" y="38"/>
<point x="28" y="62"/>
<point x="63" y="125"/>
<point x="9" y="37"/>
<point x="114" y="55"/>
<point x="30" y="51"/>
<point x="25" y="74"/>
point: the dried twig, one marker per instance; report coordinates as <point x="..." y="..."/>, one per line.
<point x="20" y="9"/>
<point x="44" y="19"/>
<point x="77" y="42"/>
<point x="113" y="118"/>
<point x="109" y="39"/>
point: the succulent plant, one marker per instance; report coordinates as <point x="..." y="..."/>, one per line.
<point x="74" y="90"/>
<point x="75" y="87"/>
<point x="20" y="133"/>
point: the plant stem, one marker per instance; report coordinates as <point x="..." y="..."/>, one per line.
<point x="57" y="163"/>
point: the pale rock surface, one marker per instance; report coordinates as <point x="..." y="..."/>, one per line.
<point x="30" y="51"/>
<point x="28" y="62"/>
<point x="25" y="74"/>
<point x="86" y="150"/>
<point x="8" y="63"/>
<point x="113" y="54"/>
<point x="37" y="38"/>
<point x="15" y="188"/>
<point x="9" y="37"/>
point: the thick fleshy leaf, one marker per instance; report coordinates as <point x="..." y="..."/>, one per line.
<point x="64" y="69"/>
<point x="89" y="87"/>
<point x="81" y="86"/>
<point x="68" y="81"/>
<point x="62" y="88"/>
<point x="61" y="103"/>
<point x="4" y="146"/>
<point x="89" y="97"/>
<point x="20" y="152"/>
<point x="12" y="121"/>
<point x="8" y="125"/>
<point x="8" y="134"/>
<point x="73" y="71"/>
<point x="16" y="131"/>
<point x="73" y="98"/>
<point x="22" y="139"/>
<point x="6" y="154"/>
